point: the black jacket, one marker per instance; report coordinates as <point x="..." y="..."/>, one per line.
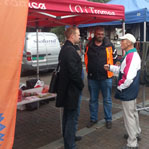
<point x="70" y="82"/>
<point x="97" y="57"/>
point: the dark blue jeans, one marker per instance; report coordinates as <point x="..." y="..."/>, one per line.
<point x="78" y="113"/>
<point x="69" y="128"/>
<point x="106" y="88"/>
<point x="79" y="106"/>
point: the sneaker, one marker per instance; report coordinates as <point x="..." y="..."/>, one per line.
<point x="127" y="147"/>
<point x="108" y="124"/>
<point x="78" y="138"/>
<point x="138" y="137"/>
<point x="91" y="123"/>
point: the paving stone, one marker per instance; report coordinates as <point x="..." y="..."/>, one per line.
<point x="113" y="138"/>
<point x="35" y="129"/>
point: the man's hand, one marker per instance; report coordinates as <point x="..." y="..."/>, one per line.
<point x="118" y="63"/>
<point x="106" y="67"/>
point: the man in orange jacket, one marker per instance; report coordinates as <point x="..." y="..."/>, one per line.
<point x="100" y="51"/>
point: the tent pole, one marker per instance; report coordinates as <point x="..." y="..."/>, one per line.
<point x="143" y="103"/>
<point x="37" y="53"/>
<point x="123" y="33"/>
<point x="123" y="28"/>
<point x="144" y="31"/>
<point x="144" y="94"/>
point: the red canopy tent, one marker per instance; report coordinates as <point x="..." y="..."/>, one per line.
<point x="49" y="13"/>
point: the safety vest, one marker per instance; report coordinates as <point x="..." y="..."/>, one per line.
<point x="109" y="60"/>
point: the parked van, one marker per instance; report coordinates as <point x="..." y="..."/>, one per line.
<point x="48" y="49"/>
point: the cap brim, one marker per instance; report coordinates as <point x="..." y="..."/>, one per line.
<point x="122" y="38"/>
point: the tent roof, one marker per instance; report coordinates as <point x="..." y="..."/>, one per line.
<point x="49" y="13"/>
<point x="131" y="5"/>
<point x="136" y="11"/>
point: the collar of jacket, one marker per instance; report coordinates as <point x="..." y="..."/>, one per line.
<point x="130" y="51"/>
<point x="69" y="42"/>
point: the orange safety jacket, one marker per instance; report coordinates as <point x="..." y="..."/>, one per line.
<point x="109" y="59"/>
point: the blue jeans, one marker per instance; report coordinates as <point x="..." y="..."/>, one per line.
<point x="78" y="113"/>
<point x="79" y="105"/>
<point x="106" y="88"/>
<point x="69" y="128"/>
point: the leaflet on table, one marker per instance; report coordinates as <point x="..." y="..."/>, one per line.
<point x="30" y="98"/>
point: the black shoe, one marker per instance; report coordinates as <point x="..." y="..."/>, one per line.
<point x="127" y="147"/>
<point x="91" y="123"/>
<point x="108" y="124"/>
<point x="78" y="138"/>
<point x="138" y="137"/>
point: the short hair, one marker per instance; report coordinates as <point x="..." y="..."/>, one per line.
<point x="70" y="31"/>
<point x="99" y="28"/>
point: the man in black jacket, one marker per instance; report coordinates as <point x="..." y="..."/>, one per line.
<point x="70" y="85"/>
<point x="100" y="51"/>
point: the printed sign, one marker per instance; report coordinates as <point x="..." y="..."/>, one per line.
<point x="37" y="5"/>
<point x="92" y="10"/>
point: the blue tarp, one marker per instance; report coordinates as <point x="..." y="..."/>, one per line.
<point x="136" y="11"/>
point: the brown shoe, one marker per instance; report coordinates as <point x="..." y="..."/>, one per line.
<point x="91" y="123"/>
<point x="108" y="124"/>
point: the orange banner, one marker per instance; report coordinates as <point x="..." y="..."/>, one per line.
<point x="13" y="19"/>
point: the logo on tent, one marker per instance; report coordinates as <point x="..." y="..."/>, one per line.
<point x="37" y="5"/>
<point x="91" y="10"/>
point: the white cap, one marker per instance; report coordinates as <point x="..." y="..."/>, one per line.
<point x="129" y="37"/>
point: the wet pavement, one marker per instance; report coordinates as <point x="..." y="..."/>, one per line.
<point x="41" y="128"/>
